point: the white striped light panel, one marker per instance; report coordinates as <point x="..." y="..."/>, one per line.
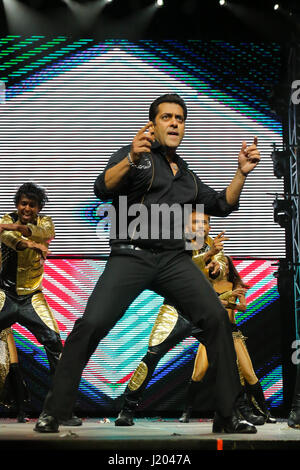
<point x="61" y="126"/>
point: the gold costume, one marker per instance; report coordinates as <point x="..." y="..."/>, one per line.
<point x="165" y="322"/>
<point x="21" y="297"/>
<point x="198" y="258"/>
<point x="30" y="264"/>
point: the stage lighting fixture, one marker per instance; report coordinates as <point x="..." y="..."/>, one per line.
<point x="283" y="212"/>
<point x="280" y="162"/>
<point x="159" y="3"/>
<point x="276" y="6"/>
<point x="222" y="3"/>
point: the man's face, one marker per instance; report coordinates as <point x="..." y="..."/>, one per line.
<point x="169" y="125"/>
<point x="200" y="224"/>
<point x="27" y="209"/>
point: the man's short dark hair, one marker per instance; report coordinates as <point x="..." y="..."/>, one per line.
<point x="32" y="191"/>
<point x="168" y="98"/>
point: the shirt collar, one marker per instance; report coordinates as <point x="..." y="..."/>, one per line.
<point x="157" y="147"/>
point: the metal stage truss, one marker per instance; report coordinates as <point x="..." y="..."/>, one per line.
<point x="294" y="146"/>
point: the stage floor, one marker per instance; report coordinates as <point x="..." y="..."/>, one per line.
<point x="153" y="436"/>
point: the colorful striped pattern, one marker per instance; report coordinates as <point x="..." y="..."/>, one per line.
<point x="67" y="285"/>
<point x="226" y="87"/>
<point x="72" y="103"/>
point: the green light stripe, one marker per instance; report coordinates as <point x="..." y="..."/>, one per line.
<point x="8" y="38"/>
<point x="22" y="342"/>
<point x="34" y="52"/>
<point x="272" y="377"/>
<point x="46" y="59"/>
<point x="25" y="43"/>
<point x="257" y="304"/>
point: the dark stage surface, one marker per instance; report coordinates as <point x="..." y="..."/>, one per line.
<point x="146" y="438"/>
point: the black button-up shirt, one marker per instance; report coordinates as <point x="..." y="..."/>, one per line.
<point x="153" y="183"/>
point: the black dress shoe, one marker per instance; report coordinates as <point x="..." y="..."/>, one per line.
<point x="125" y="418"/>
<point x="46" y="423"/>
<point x="252" y="418"/>
<point x="73" y="421"/>
<point x="247" y="412"/>
<point x="270" y="419"/>
<point x="232" y="425"/>
<point x="185" y="417"/>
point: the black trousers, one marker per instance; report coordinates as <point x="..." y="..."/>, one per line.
<point x="174" y="276"/>
<point x="33" y="312"/>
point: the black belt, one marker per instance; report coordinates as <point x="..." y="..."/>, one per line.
<point x="125" y="246"/>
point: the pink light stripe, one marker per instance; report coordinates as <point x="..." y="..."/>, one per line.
<point x="62" y="310"/>
<point x="93" y="369"/>
<point x="59" y="293"/>
<point x="81" y="268"/>
<point x="261" y="291"/>
<point x="273" y="389"/>
<point x="248" y="269"/>
<point x="24" y="332"/>
<point x="258" y="277"/>
<point x="64" y="281"/>
<point x="70" y="269"/>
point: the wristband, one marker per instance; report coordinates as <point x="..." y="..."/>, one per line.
<point x="131" y="162"/>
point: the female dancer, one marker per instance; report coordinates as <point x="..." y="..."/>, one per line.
<point x="231" y="290"/>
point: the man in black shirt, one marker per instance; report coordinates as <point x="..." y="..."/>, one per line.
<point x="150" y="174"/>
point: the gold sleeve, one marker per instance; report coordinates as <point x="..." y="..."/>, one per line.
<point x="42" y="232"/>
<point x="221" y="259"/>
<point x="230" y="299"/>
<point x="198" y="259"/>
<point x="10" y="237"/>
<point x="226" y="296"/>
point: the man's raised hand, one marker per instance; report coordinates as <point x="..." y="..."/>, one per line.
<point x="218" y="242"/>
<point x="213" y="267"/>
<point x="249" y="157"/>
<point x="142" y="141"/>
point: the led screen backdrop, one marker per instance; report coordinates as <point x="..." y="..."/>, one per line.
<point x="60" y="125"/>
<point x="69" y="106"/>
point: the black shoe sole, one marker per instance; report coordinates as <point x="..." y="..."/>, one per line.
<point x="218" y="428"/>
<point x="45" y="429"/>
<point x="123" y="422"/>
<point x="226" y="431"/>
<point x="69" y="423"/>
